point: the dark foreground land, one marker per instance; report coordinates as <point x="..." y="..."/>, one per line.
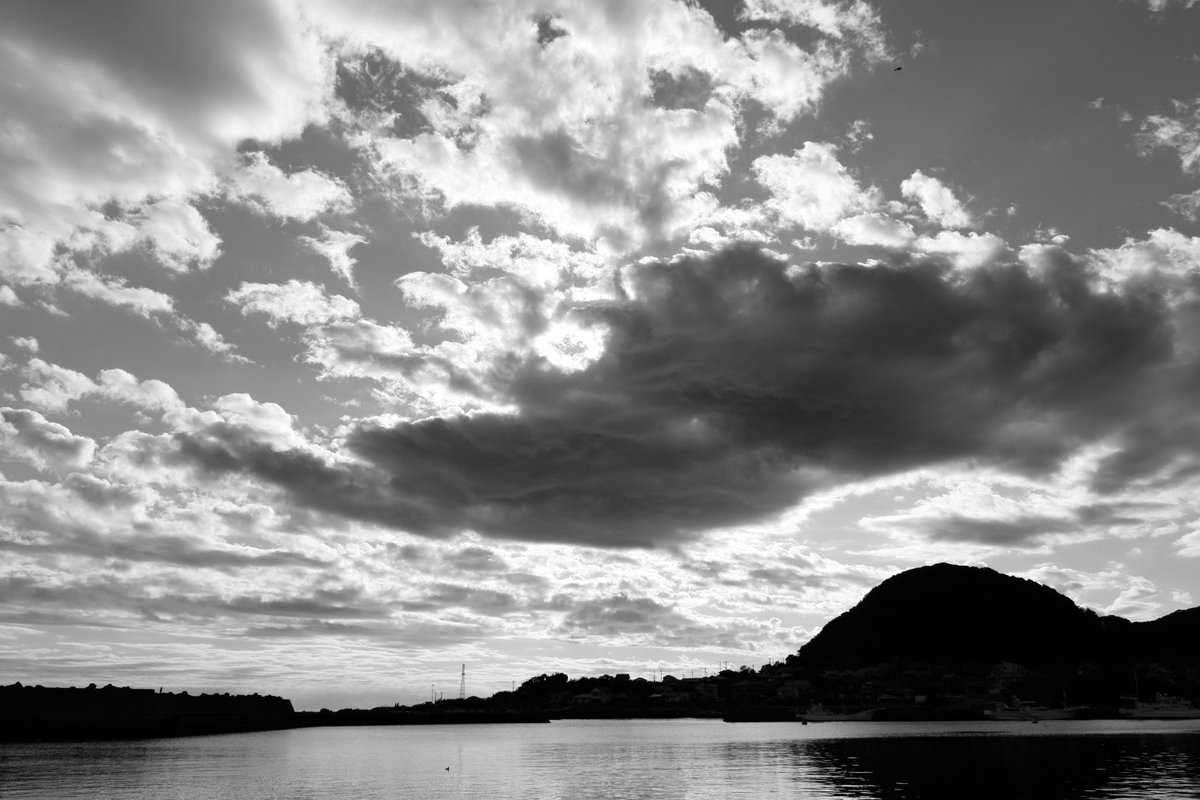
<point x="37" y="713"/>
<point x="942" y="642"/>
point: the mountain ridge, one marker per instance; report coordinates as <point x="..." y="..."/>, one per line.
<point x="964" y="614"/>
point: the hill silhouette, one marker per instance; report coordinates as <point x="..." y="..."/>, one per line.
<point x="947" y="613"/>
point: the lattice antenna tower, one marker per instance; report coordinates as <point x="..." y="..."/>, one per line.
<point x="462" y="684"/>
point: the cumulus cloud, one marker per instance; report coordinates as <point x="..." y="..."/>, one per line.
<point x="335" y="246"/>
<point x="964" y="250"/>
<point x="1165" y="256"/>
<point x="29" y="437"/>
<point x="937" y="200"/>
<point x="296" y="302"/>
<point x="610" y="128"/>
<point x="301" y="196"/>
<point x="875" y="230"/>
<point x="53" y="387"/>
<point x="207" y="337"/>
<point x="9" y="298"/>
<point x="116" y="292"/>
<point x="838" y="20"/>
<point x="811" y="188"/>
<point x="695" y="416"/>
<point x="1188" y="545"/>
<point x="100" y="115"/>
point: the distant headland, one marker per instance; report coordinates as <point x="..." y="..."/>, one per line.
<point x="936" y="642"/>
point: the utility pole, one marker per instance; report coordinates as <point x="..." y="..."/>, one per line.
<point x="462" y="684"/>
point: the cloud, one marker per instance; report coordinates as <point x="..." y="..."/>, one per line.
<point x="53" y="387"/>
<point x="117" y="293"/>
<point x="207" y="337"/>
<point x="811" y="188"/>
<point x="9" y="298"/>
<point x="118" y="118"/>
<point x="1161" y="6"/>
<point x="177" y="234"/>
<point x="1185" y="204"/>
<point x="1179" y="132"/>
<point x="302" y="196"/>
<point x="295" y="302"/>
<point x="1110" y="591"/>
<point x="851" y="20"/>
<point x="1188" y="545"/>
<point x="877" y="230"/>
<point x="937" y="200"/>
<point x="963" y="250"/>
<point x="335" y="246"/>
<point x="612" y="129"/>
<point x="29" y="437"/>
<point x="696" y="417"/>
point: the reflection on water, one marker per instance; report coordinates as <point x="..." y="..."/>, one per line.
<point x="628" y="760"/>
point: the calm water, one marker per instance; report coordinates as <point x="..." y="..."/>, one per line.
<point x="665" y="760"/>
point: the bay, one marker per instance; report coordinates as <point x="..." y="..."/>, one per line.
<point x="627" y="760"/>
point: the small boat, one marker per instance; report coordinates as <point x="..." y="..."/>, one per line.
<point x="1162" y="707"/>
<point x="817" y="713"/>
<point x="1027" y="712"/>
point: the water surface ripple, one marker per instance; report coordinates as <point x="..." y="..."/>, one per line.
<point x="626" y="760"/>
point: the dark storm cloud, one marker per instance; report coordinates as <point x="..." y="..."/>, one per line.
<point x="472" y="598"/>
<point x="621" y="615"/>
<point x="1018" y="532"/>
<point x="731" y="386"/>
<point x="644" y="619"/>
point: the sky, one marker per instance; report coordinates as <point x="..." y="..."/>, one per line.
<point x="343" y="344"/>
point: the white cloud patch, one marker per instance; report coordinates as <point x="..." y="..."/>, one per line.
<point x="335" y="246"/>
<point x="811" y="188"/>
<point x="207" y="337"/>
<point x="937" y="201"/>
<point x="1188" y="545"/>
<point x="116" y="292"/>
<point x="609" y="130"/>
<point x="53" y="388"/>
<point x="1161" y="6"/>
<point x="302" y="196"/>
<point x="296" y="302"/>
<point x="855" y="19"/>
<point x="26" y="436"/>
<point x="178" y="235"/>
<point x="1185" y="204"/>
<point x="1110" y="591"/>
<point x="964" y="250"/>
<point x="1165" y="254"/>
<point x="1178" y="132"/>
<point x="98" y="113"/>
<point x="875" y="230"/>
<point x="9" y="298"/>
